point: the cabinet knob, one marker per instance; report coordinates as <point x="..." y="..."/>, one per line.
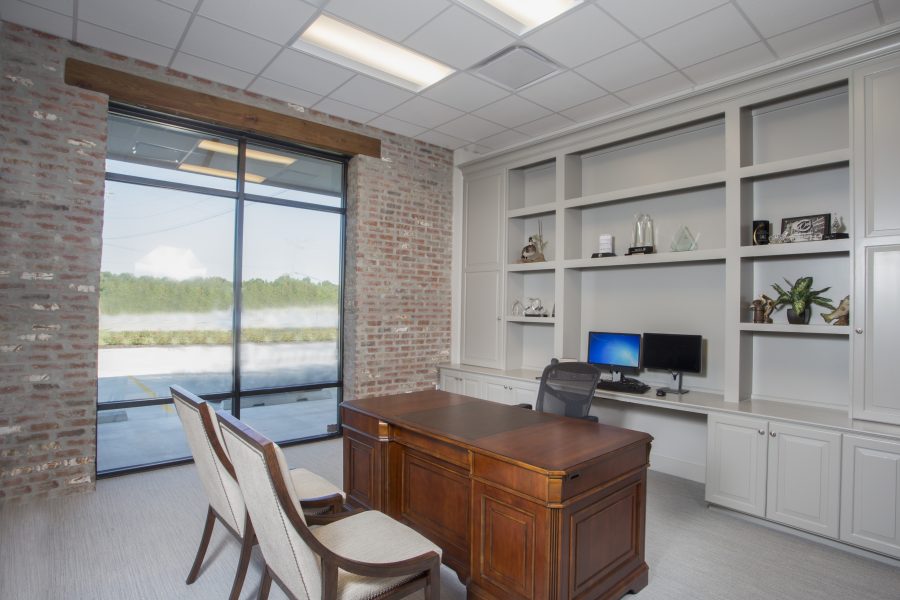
<point x="772" y="433"/>
<point x="859" y="330"/>
<point x="761" y="431"/>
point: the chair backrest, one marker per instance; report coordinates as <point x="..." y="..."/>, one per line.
<point x="273" y="506"/>
<point x="213" y="464"/>
<point x="567" y="388"/>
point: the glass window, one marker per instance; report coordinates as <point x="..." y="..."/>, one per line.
<point x="169" y="304"/>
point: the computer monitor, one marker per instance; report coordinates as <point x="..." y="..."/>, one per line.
<point x="673" y="352"/>
<point x="615" y="351"/>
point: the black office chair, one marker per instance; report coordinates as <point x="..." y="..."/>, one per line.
<point x="567" y="389"/>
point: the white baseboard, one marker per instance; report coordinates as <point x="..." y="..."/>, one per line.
<point x="677" y="467"/>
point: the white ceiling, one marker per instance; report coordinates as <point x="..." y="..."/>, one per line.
<point x="614" y="54"/>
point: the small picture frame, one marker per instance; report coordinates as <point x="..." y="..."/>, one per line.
<point x="806" y="229"/>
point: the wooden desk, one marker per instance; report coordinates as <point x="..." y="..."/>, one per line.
<point x="524" y="505"/>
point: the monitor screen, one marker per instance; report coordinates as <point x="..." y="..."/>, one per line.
<point x="615" y="351"/>
<point x="672" y="352"/>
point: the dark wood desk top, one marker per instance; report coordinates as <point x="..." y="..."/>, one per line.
<point x="545" y="442"/>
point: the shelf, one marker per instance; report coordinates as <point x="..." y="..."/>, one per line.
<point x="797" y="249"/>
<point x="654" y="189"/>
<point x="802" y="163"/>
<point x="795" y="329"/>
<point x="536" y="266"/>
<point x="716" y="254"/>
<point x="532" y="320"/>
<point x="532" y="211"/>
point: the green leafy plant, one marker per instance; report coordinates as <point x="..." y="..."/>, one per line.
<point x="801" y="295"/>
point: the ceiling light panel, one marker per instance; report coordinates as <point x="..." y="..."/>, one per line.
<point x="357" y="49"/>
<point x="520" y="16"/>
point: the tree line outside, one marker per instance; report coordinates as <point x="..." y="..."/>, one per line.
<point x="123" y="293"/>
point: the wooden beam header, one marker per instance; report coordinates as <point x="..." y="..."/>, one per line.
<point x="164" y="97"/>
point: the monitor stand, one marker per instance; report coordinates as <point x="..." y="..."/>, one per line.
<point x="680" y="391"/>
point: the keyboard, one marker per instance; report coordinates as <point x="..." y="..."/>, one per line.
<point x="627" y="386"/>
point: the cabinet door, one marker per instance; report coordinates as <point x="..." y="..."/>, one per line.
<point x="876" y="147"/>
<point x="876" y="397"/>
<point x="471" y="386"/>
<point x="803" y="485"/>
<point x="736" y="463"/>
<point x="524" y="394"/>
<point x="497" y="390"/>
<point x="450" y="382"/>
<point x="481" y="319"/>
<point x="870" y="494"/>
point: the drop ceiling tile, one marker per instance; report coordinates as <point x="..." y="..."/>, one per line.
<point x="730" y="64"/>
<point x="441" y="139"/>
<point x="707" y="36"/>
<point x="594" y="109"/>
<point x="148" y="20"/>
<point x="257" y="17"/>
<point x="772" y="17"/>
<point x="459" y="38"/>
<point x="465" y="92"/>
<point x="213" y="71"/>
<point x="216" y="42"/>
<point x="125" y="45"/>
<point x="344" y="110"/>
<point x="36" y="18"/>
<point x="470" y="128"/>
<point x="890" y="10"/>
<point x="579" y="36"/>
<point x="286" y="93"/>
<point x="370" y="93"/>
<point x="183" y="4"/>
<point x="424" y="112"/>
<point x="562" y="91"/>
<point x="825" y="31"/>
<point x="396" y="126"/>
<point x="545" y="125"/>
<point x="626" y="67"/>
<point x="655" y="88"/>
<point x="506" y="139"/>
<point x="394" y="19"/>
<point x="306" y="72"/>
<point x="512" y="111"/>
<point x="646" y="20"/>
<point x="63" y="7"/>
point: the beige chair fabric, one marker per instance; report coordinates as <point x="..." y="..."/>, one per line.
<point x="370" y="536"/>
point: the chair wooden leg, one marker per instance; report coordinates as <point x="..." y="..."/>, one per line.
<point x="265" y="584"/>
<point x="246" y="548"/>
<point x="433" y="583"/>
<point x="204" y="544"/>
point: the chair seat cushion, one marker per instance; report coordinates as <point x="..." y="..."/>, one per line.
<point x="371" y="537"/>
<point x="309" y="485"/>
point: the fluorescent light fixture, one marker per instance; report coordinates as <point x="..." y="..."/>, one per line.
<point x="232" y="150"/>
<point x="360" y="50"/>
<point x="521" y="15"/>
<point x="220" y="172"/>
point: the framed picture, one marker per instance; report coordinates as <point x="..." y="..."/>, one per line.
<point x="805" y="229"/>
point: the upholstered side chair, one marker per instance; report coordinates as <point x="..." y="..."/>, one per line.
<point x="226" y="503"/>
<point x="365" y="555"/>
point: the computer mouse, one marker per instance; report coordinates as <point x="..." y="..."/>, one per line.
<point x="660" y="392"/>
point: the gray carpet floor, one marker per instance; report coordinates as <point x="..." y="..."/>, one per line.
<point x="136" y="536"/>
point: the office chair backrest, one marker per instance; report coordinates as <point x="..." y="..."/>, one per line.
<point x="213" y="464"/>
<point x="567" y="389"/>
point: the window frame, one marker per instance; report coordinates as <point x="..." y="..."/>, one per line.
<point x="240" y="197"/>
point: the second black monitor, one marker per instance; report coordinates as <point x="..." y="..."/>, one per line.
<point x="672" y="352"/>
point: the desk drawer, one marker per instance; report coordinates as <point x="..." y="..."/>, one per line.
<point x="432" y="447"/>
<point x="603" y="471"/>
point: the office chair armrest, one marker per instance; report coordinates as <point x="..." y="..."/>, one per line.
<point x="591" y="418"/>
<point x="524" y="405"/>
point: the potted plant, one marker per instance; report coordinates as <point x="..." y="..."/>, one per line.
<point x="799" y="299"/>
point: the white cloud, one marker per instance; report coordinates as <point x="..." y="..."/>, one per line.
<point x="171" y="262"/>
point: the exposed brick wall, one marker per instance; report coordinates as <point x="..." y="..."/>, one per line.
<point x="52" y="150"/>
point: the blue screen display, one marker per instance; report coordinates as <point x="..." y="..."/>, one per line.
<point x="614" y="349"/>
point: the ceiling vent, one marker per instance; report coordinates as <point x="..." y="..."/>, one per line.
<point x="516" y="67"/>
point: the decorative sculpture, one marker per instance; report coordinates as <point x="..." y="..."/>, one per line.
<point x="534" y="250"/>
<point x="762" y="309"/>
<point x="840" y="315"/>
